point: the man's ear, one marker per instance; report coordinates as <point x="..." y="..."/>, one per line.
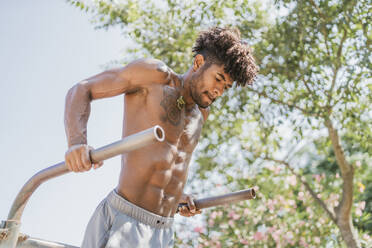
<point x="198" y="62"/>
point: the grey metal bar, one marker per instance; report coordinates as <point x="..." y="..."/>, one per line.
<point x="40" y="243"/>
<point x="227" y="198"/>
<point x="127" y="144"/>
<point x="213" y="201"/>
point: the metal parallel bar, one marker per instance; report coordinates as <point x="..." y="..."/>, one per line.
<point x="223" y="199"/>
<point x="10" y="228"/>
<point x="40" y="243"/>
<point x="127" y="144"/>
<point x="227" y="198"/>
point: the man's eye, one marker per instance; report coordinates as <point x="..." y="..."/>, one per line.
<point x="218" y="80"/>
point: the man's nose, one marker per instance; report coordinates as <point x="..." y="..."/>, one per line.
<point x="217" y="93"/>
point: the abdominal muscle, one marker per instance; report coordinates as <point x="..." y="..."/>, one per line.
<point x="153" y="178"/>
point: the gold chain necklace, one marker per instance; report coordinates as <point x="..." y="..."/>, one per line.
<point x="180" y="102"/>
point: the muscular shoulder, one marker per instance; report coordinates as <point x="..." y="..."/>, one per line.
<point x="147" y="70"/>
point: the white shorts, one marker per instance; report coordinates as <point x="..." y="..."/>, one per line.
<point x="119" y="223"/>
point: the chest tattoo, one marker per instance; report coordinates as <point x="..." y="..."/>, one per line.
<point x="169" y="104"/>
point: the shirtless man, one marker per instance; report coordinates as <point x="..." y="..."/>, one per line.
<point x="139" y="212"/>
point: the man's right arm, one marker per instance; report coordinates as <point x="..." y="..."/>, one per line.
<point x="106" y="84"/>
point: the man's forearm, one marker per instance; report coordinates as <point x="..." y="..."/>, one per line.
<point x="77" y="110"/>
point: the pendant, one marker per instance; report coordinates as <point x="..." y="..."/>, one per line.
<point x="180" y="103"/>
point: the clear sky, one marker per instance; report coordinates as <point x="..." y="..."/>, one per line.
<point x="46" y="47"/>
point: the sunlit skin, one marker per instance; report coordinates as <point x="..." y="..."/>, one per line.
<point x="152" y="177"/>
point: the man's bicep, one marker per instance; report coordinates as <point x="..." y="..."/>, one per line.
<point x="132" y="77"/>
<point x="107" y="84"/>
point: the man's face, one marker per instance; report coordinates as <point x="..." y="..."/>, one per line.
<point x="209" y="83"/>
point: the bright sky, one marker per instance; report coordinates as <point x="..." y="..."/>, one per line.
<point x="47" y="46"/>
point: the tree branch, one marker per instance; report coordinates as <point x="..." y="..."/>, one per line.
<point x="345" y="167"/>
<point x="307" y="186"/>
<point x="318" y="9"/>
<point x="283" y="103"/>
<point x="335" y="71"/>
<point x="307" y="87"/>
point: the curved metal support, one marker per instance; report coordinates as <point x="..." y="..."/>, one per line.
<point x="127" y="144"/>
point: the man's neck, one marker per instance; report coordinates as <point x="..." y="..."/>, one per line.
<point x="185" y="89"/>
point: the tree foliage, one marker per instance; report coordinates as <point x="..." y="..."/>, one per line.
<point x="309" y="113"/>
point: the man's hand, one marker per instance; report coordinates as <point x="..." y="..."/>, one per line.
<point x="190" y="209"/>
<point x="77" y="158"/>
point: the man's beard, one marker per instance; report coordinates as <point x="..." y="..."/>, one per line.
<point x="197" y="97"/>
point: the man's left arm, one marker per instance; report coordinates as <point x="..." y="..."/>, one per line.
<point x="190" y="209"/>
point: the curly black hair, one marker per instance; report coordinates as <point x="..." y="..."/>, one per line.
<point x="223" y="46"/>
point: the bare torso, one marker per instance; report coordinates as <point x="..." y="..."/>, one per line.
<point x="153" y="177"/>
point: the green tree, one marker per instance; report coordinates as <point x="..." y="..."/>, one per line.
<point x="313" y="87"/>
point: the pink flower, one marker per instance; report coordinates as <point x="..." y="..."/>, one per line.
<point x="303" y="242"/>
<point x="244" y="241"/>
<point x="366" y="236"/>
<point x="258" y="236"/>
<point x="271" y="205"/>
<point x="261" y="208"/>
<point x="292" y="180"/>
<point x="247" y="212"/>
<point x="317" y="177"/>
<point x="218" y="244"/>
<point x="233" y="215"/>
<point x="211" y="222"/>
<point x="292" y="202"/>
<point x="276" y="235"/>
<point x="213" y="215"/>
<point x="289" y="236"/>
<point x="362" y="205"/>
<point x="361" y="187"/>
<point x="301" y="195"/>
<point x="358" y="212"/>
<point x="321" y="221"/>
<point x="198" y="229"/>
<point x="231" y="223"/>
<point x="301" y="223"/>
<point x="317" y="240"/>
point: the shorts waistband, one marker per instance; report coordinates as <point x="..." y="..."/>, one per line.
<point x="138" y="213"/>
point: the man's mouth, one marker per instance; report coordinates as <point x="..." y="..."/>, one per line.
<point x="210" y="97"/>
